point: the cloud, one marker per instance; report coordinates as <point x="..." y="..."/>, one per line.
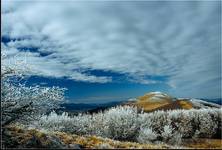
<point x="176" y="39"/>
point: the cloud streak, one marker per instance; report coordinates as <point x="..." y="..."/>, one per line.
<point x="176" y="39"/>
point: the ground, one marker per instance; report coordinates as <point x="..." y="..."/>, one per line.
<point x="19" y="137"/>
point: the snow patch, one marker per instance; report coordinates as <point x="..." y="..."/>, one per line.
<point x="132" y="99"/>
<point x="203" y="104"/>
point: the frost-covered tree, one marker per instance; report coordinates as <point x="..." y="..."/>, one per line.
<point x="82" y="124"/>
<point x="54" y="122"/>
<point x="155" y="120"/>
<point x="169" y="135"/>
<point x="146" y="135"/>
<point x="121" y="123"/>
<point x="97" y="124"/>
<point x="182" y="121"/>
<point x="206" y="123"/>
<point x="20" y="102"/>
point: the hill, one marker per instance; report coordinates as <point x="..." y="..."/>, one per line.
<point x="160" y="101"/>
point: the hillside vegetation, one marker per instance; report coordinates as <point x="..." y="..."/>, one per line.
<point x="126" y="123"/>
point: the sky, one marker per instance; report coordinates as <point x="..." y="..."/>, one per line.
<point x="104" y="51"/>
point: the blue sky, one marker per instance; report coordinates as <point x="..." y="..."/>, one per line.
<point x="97" y="92"/>
<point x="111" y="51"/>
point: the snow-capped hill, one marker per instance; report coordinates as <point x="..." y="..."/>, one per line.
<point x="161" y="101"/>
<point x="153" y="100"/>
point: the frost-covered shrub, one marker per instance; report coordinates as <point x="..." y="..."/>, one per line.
<point x="117" y="123"/>
<point x="169" y="135"/>
<point x="218" y="119"/>
<point x="82" y="124"/>
<point x="55" y="122"/>
<point x="157" y="120"/>
<point x="146" y="135"/>
<point x="182" y="121"/>
<point x="206" y="123"/>
<point x="185" y="123"/>
<point x="144" y="120"/>
<point x="121" y="123"/>
<point x="97" y="124"/>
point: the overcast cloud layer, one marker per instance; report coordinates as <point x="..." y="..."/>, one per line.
<point x="180" y="40"/>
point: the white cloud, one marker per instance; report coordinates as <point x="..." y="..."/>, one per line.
<point x="176" y="39"/>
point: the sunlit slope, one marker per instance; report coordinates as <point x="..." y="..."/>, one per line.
<point x="160" y="101"/>
<point x="153" y="100"/>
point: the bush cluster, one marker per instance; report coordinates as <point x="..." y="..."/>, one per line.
<point x="126" y="123"/>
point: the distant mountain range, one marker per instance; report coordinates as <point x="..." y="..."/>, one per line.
<point x="83" y="107"/>
<point x="149" y="102"/>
